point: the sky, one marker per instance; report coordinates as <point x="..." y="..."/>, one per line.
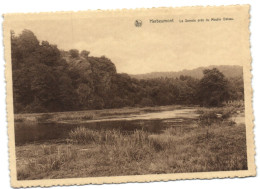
<point x="153" y="47"/>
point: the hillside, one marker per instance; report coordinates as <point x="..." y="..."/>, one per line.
<point x="228" y="71"/>
<point x="47" y="79"/>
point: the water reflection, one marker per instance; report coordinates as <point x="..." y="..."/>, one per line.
<point x="27" y="132"/>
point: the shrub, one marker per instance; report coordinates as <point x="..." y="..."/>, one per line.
<point x="216" y="115"/>
<point x="208" y="117"/>
<point x="227" y="112"/>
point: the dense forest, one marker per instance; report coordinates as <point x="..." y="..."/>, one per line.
<point x="47" y="79"/>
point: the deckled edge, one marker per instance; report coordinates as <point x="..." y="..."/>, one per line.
<point x="119" y="179"/>
<point x="251" y="92"/>
<point x="124" y="10"/>
<point x="9" y="103"/>
<point x="7" y="80"/>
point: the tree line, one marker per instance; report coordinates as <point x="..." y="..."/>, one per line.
<point x="47" y="79"/>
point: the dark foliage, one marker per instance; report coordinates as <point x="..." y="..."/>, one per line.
<point x="213" y="88"/>
<point x="46" y="79"/>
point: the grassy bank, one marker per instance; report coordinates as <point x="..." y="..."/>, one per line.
<point x="106" y="153"/>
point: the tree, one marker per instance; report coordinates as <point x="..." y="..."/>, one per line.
<point x="213" y="88"/>
<point x="47" y="79"/>
<point x="22" y="47"/>
<point x="236" y="85"/>
<point x="67" y="97"/>
<point x="84" y="53"/>
<point x="44" y="86"/>
<point x="84" y="92"/>
<point x="74" y="53"/>
<point x="48" y="54"/>
<point x="27" y="42"/>
<point x="146" y="102"/>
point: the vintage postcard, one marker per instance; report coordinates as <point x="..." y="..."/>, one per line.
<point x="129" y="95"/>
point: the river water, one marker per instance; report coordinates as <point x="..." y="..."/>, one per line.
<point x="155" y="122"/>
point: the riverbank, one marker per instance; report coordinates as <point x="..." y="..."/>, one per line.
<point x="213" y="141"/>
<point x="224" y="149"/>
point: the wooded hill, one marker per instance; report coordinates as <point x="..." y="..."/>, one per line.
<point x="228" y="71"/>
<point x="47" y="79"/>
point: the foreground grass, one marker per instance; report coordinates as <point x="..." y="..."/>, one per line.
<point x="111" y="153"/>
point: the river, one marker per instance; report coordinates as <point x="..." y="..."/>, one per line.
<point x="153" y="122"/>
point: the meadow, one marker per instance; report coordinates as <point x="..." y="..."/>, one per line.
<point x="207" y="143"/>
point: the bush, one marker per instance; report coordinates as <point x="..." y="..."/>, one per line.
<point x="208" y="117"/>
<point x="227" y="112"/>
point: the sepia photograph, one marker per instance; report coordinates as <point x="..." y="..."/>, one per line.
<point x="139" y="92"/>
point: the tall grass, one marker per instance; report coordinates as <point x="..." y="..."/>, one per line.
<point x="81" y="135"/>
<point x="111" y="152"/>
<point x="135" y="146"/>
<point x="51" y="159"/>
<point x="137" y="139"/>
